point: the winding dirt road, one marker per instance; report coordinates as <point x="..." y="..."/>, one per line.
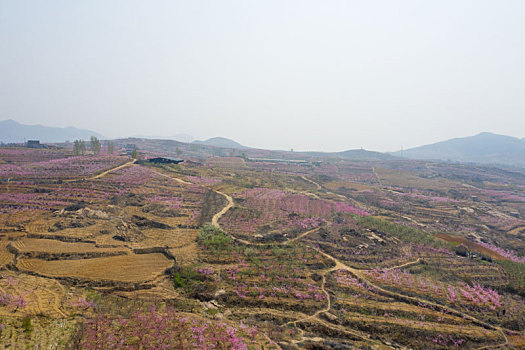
<point x="360" y="274"/>
<point x="229" y="205"/>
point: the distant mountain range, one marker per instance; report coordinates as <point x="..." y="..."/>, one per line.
<point x="221" y="142"/>
<point x="485" y="148"/>
<point x="355" y="154"/>
<point x="12" y="131"/>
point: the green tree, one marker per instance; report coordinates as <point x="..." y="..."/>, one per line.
<point x="79" y="147"/>
<point x="82" y="147"/>
<point x="76" y="147"/>
<point x="134" y="154"/>
<point x="95" y="145"/>
<point x="111" y="147"/>
<point x="178" y="151"/>
<point x="214" y="239"/>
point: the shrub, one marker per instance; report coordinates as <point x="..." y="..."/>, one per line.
<point x="26" y="324"/>
<point x="178" y="281"/>
<point x="214" y="239"/>
<point x="186" y="277"/>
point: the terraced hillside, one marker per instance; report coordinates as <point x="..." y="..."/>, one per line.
<point x="232" y="254"/>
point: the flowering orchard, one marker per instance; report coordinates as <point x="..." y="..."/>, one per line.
<point x="70" y="167"/>
<point x="26" y="155"/>
<point x="281" y="210"/>
<point x="358" y="305"/>
<point x="475" y="297"/>
<point x="259" y="274"/>
<point x="508" y="254"/>
<point x="20" y="203"/>
<point x="153" y="329"/>
<point x="271" y="275"/>
<point x="10" y="298"/>
<point x="34" y="187"/>
<point x="31" y="182"/>
<point x="152" y="188"/>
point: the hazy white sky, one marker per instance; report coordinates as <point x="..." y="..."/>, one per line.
<point x="323" y="75"/>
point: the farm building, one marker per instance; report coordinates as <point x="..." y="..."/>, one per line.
<point x="286" y="161"/>
<point x="34" y="144"/>
<point x="165" y="160"/>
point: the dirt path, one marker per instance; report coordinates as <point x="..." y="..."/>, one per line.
<point x="301" y="235"/>
<point x="377" y="177"/>
<point x="229" y="205"/>
<point x="173" y="178"/>
<point x="320" y="311"/>
<point x="311" y="181"/>
<point x="315" y="316"/>
<point x="319" y="187"/>
<point x="104" y="173"/>
<point x="305" y="193"/>
<point x="405" y="264"/>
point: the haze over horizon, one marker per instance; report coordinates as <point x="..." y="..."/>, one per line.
<point x="304" y="75"/>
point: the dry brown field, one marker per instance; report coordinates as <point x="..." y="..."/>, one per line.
<point x="36" y="247"/>
<point x="133" y="268"/>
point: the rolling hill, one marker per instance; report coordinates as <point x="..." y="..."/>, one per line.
<point x="354" y="154"/>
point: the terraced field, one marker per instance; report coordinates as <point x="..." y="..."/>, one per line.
<point x="51" y="248"/>
<point x="5" y="255"/>
<point x="44" y="296"/>
<point x="133" y="268"/>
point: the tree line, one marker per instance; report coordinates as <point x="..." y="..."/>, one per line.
<point x="80" y="147"/>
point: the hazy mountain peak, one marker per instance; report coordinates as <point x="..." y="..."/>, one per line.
<point x="485" y="147"/>
<point x="221" y="142"/>
<point x="12" y="131"/>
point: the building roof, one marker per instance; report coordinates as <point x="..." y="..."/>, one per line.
<point x="168" y="158"/>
